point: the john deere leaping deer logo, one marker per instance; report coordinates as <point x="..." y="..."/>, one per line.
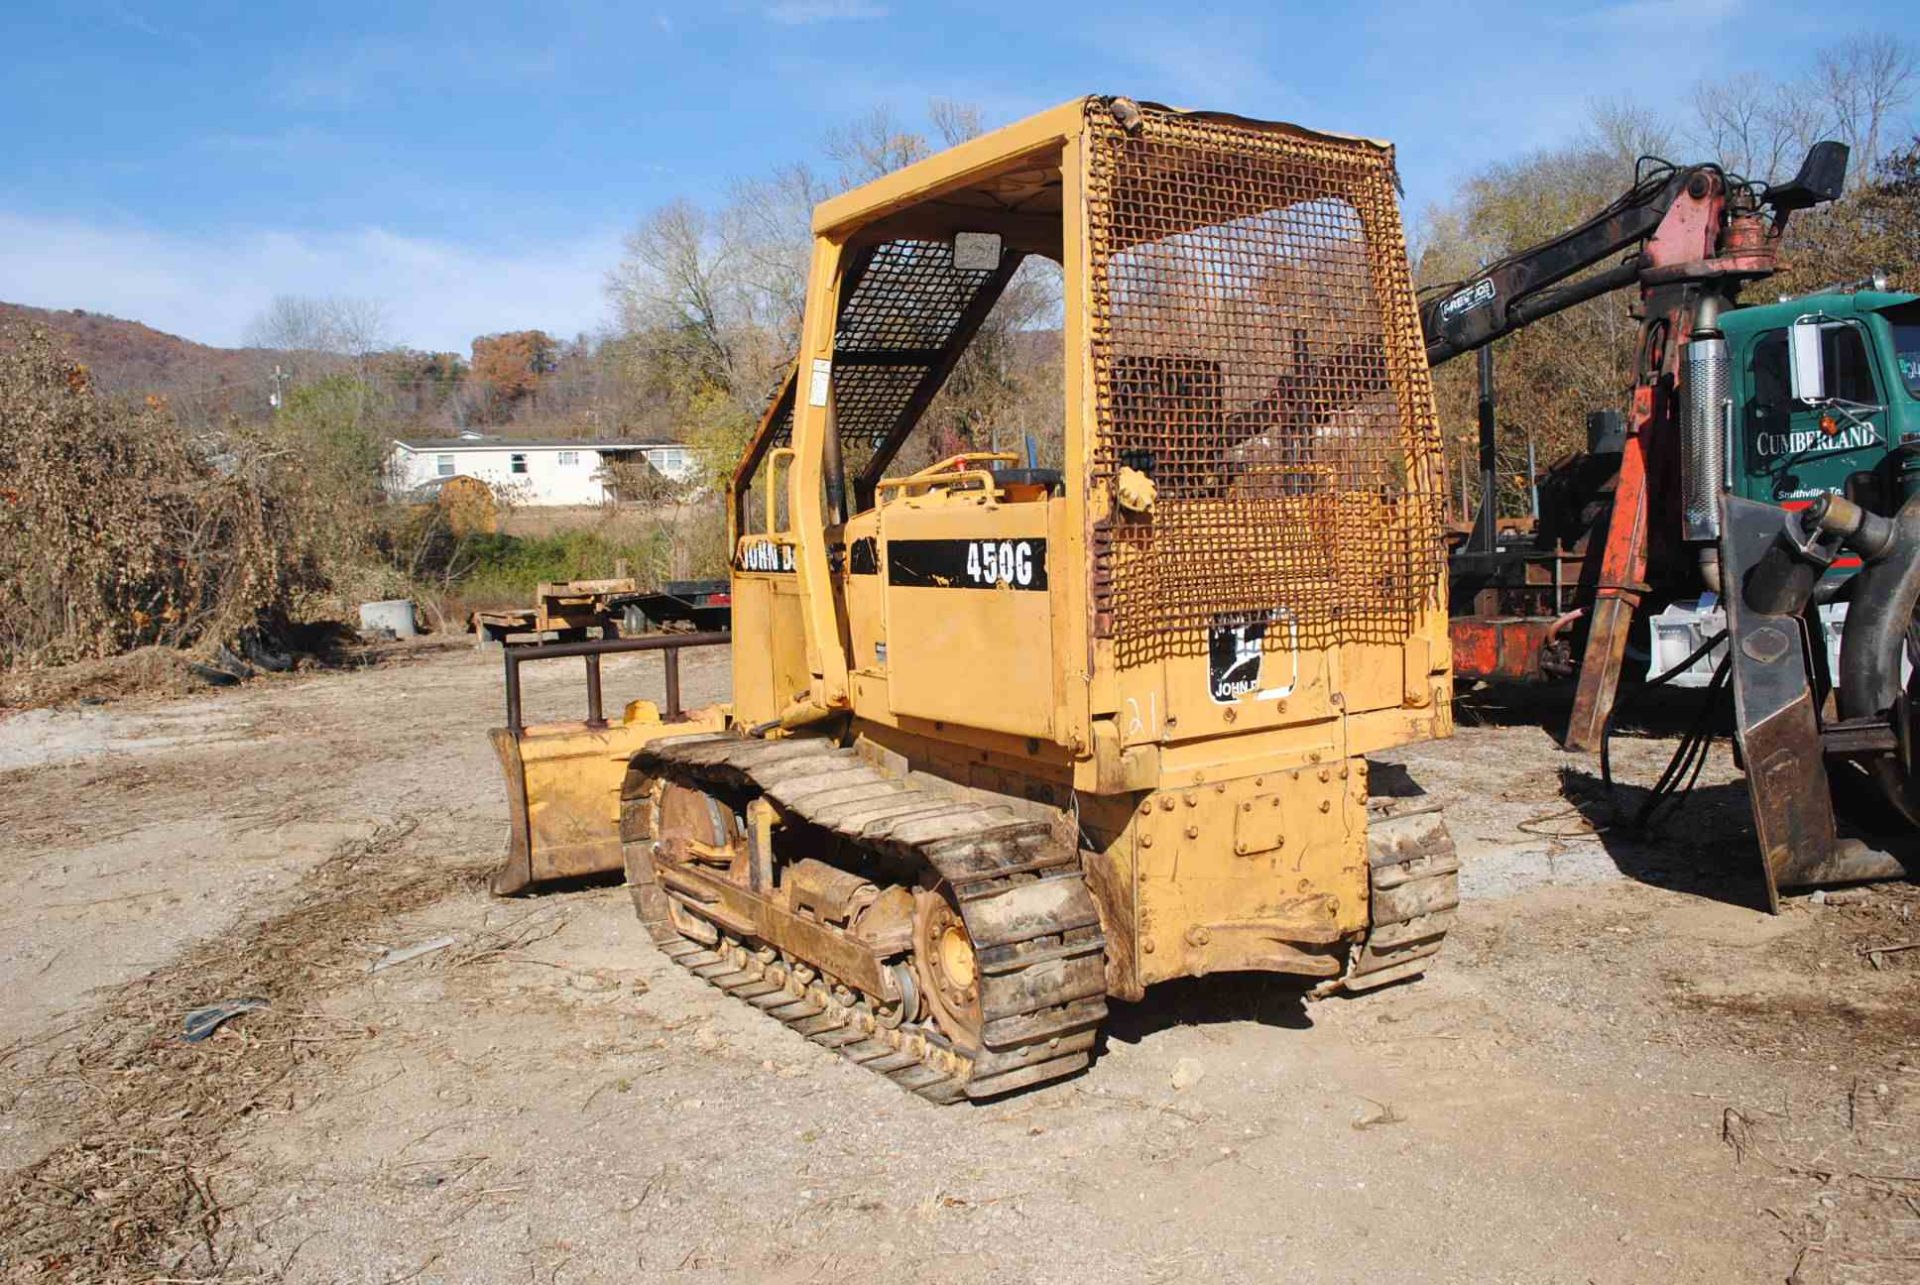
<point x="1237" y="649"/>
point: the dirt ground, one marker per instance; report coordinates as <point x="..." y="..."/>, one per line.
<point x="1622" y="1071"/>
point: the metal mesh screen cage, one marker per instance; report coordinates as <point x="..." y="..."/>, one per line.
<point x="904" y="310"/>
<point x="1256" y="352"/>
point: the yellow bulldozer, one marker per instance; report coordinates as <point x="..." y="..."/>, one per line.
<point x="1006" y="741"/>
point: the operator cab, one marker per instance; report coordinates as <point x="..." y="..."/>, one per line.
<point x="1212" y="498"/>
<point x="914" y="506"/>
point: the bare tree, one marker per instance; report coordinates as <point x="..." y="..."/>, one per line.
<point x="710" y="305"/>
<point x="678" y="284"/>
<point x="322" y="335"/>
<point x="877" y="143"/>
<point x="955" y="122"/>
<point x="1866" y="81"/>
<point x="1755" y="127"/>
<point x="293" y="323"/>
<point x="767" y="225"/>
<point x="336" y="325"/>
<point x="1627" y="131"/>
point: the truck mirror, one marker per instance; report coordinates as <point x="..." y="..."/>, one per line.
<point x="1806" y="365"/>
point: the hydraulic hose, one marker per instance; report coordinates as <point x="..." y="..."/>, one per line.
<point x="1880" y="611"/>
<point x="1692" y="750"/>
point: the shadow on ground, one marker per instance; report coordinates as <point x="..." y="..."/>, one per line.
<point x="1270" y="999"/>
<point x="1637" y="711"/>
<point x="1702" y="845"/>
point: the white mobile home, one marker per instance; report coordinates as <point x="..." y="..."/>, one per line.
<point x="531" y="471"/>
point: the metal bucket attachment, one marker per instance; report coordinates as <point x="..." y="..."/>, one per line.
<point x="563" y="779"/>
<point x="563" y="793"/>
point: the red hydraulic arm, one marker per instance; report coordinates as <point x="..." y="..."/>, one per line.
<point x="1700" y="241"/>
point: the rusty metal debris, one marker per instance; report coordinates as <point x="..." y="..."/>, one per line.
<point x="202" y="1022"/>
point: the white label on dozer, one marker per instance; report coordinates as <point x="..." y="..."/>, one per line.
<point x="822" y="380"/>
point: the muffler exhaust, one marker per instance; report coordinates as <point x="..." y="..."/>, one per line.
<point x="1703" y="454"/>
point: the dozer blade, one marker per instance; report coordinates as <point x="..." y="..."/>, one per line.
<point x="563" y="792"/>
<point x="1778" y="728"/>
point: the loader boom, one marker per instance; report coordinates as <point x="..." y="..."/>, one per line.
<point x="1678" y="505"/>
<point x="1698" y="238"/>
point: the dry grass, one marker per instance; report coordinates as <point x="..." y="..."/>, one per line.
<point x="617" y="523"/>
<point x="129" y="1194"/>
<point x="146" y="671"/>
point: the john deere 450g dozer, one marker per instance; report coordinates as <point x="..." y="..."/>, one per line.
<point x="1006" y="741"/>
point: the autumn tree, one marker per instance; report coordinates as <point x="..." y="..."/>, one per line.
<point x="1875" y="229"/>
<point x="119" y="528"/>
<point x="1552" y="372"/>
<point x="511" y="367"/>
<point x="418" y="383"/>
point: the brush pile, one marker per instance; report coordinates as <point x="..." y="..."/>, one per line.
<point x="119" y="529"/>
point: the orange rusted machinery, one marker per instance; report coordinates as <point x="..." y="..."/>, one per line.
<point x="1760" y="498"/>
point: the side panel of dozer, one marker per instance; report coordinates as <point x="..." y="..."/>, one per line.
<point x="563" y="792"/>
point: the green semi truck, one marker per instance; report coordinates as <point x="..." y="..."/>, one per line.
<point x="1786" y="449"/>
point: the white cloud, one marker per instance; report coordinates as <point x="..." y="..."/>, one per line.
<point x="436" y="294"/>
<point x="799" y="13"/>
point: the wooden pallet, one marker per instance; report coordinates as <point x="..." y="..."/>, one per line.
<point x="562" y="612"/>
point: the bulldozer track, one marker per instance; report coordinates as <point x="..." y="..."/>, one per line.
<point x="1034" y="927"/>
<point x="1033" y="922"/>
<point x="1413" y="872"/>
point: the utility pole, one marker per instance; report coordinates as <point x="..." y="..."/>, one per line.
<point x="1486" y="522"/>
<point x="1533" y="480"/>
<point x="276" y="398"/>
<point x="1466" y="511"/>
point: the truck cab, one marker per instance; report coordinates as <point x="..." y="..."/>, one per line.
<point x="1787" y="452"/>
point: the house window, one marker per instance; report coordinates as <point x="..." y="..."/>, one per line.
<point x="516" y="463"/>
<point x="569" y="458"/>
<point x="672" y="461"/>
<point x="443" y="466"/>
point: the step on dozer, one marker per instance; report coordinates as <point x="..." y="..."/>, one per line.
<point x="1008" y="740"/>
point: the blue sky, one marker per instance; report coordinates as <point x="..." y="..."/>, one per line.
<point x="474" y="165"/>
